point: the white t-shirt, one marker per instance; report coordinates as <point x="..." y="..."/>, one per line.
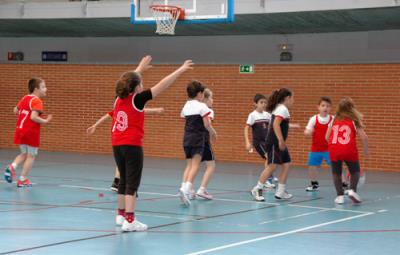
<point x="195" y="107"/>
<point x="322" y="120"/>
<point x="282" y="111"/>
<point x="256" y="116"/>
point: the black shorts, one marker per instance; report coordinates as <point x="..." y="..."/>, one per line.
<point x="353" y="166"/>
<point x="261" y="149"/>
<point x="191" y="151"/>
<point x="129" y="160"/>
<point x="208" y="154"/>
<point x="276" y="156"/>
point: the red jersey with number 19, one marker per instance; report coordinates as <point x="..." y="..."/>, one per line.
<point x="27" y="131"/>
<point x="128" y="123"/>
<point x="342" y="141"/>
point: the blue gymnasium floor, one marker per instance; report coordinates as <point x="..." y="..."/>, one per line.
<point x="63" y="213"/>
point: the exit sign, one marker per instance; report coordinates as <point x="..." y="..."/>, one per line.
<point x="246" y="69"/>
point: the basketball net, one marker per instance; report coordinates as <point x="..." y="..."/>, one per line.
<point x="166" y="17"/>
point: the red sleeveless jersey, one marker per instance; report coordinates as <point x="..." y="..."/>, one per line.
<point x="342" y="141"/>
<point x="27" y="131"/>
<point x="128" y="123"/>
<point x="319" y="143"/>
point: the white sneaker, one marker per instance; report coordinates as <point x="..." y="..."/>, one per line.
<point x="283" y="195"/>
<point x="276" y="179"/>
<point x="184" y="197"/>
<point x="134" y="226"/>
<point x="119" y="220"/>
<point x="257" y="194"/>
<point x="339" y="200"/>
<point x="269" y="185"/>
<point x="192" y="194"/>
<point x="354" y="197"/>
<point x="204" y="194"/>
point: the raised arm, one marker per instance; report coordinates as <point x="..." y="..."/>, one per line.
<point x="170" y="79"/>
<point x="144" y="65"/>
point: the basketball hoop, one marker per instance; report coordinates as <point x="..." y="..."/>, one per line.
<point x="166" y="17"/>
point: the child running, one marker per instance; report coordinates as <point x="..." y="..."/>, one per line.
<point x="109" y="115"/>
<point x="198" y="134"/>
<point x="316" y="128"/>
<point x="127" y="136"/>
<point x="259" y="120"/>
<point x="208" y="155"/>
<point x="278" y="153"/>
<point x="342" y="145"/>
<point x="27" y="133"/>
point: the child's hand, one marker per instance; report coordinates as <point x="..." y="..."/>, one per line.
<point x="91" y="130"/>
<point x="144" y="64"/>
<point x="249" y="147"/>
<point x="282" y="145"/>
<point x="160" y="110"/>
<point x="49" y="118"/>
<point x="213" y="138"/>
<point x="296" y="125"/>
<point x="187" y="65"/>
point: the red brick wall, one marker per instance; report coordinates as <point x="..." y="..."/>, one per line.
<point x="79" y="94"/>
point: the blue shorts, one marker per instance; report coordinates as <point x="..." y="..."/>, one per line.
<point x="316" y="158"/>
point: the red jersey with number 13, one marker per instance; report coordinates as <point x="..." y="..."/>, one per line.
<point x="342" y="141"/>
<point x="27" y="131"/>
<point x="128" y="123"/>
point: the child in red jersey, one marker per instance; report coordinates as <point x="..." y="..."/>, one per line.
<point x="316" y="128"/>
<point x="343" y="147"/>
<point x="27" y="133"/>
<point x="109" y="115"/>
<point x="128" y="133"/>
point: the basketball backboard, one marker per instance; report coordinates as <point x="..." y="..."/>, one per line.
<point x="196" y="11"/>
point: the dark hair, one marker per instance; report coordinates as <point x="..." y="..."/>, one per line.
<point x="277" y="97"/>
<point x="347" y="109"/>
<point x="258" y="97"/>
<point x="325" y="99"/>
<point x="34" y="83"/>
<point x="193" y="88"/>
<point x="127" y="84"/>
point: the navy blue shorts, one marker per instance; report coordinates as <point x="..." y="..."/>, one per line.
<point x="276" y="156"/>
<point x="261" y="149"/>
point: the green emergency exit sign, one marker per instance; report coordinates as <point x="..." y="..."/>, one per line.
<point x="246" y="69"/>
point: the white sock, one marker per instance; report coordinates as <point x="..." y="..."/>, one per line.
<point x="14" y="165"/>
<point x="281" y="188"/>
<point x="22" y="178"/>
<point x="182" y="185"/>
<point x="202" y="189"/>
<point x="187" y="187"/>
<point x="259" y="185"/>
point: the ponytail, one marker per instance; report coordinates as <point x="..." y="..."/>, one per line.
<point x="277" y="97"/>
<point x="127" y="84"/>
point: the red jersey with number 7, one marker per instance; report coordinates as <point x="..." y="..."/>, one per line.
<point x="27" y="131"/>
<point x="342" y="141"/>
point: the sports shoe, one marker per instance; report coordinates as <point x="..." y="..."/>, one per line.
<point x="114" y="186"/>
<point x="275" y="179"/>
<point x="257" y="194"/>
<point x="184" y="197"/>
<point x="192" y="194"/>
<point x="133" y="226"/>
<point x="9" y="173"/>
<point x="119" y="220"/>
<point x="25" y="183"/>
<point x="269" y="185"/>
<point x="283" y="195"/>
<point x="339" y="200"/>
<point x="312" y="188"/>
<point x="354" y="197"/>
<point x="204" y="194"/>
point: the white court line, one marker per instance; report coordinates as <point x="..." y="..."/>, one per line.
<point x="278" y="235"/>
<point x="295" y="216"/>
<point x="169" y="195"/>
<point x="323" y="208"/>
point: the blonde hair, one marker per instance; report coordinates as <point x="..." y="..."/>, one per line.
<point x="207" y="93"/>
<point x="346" y="109"/>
